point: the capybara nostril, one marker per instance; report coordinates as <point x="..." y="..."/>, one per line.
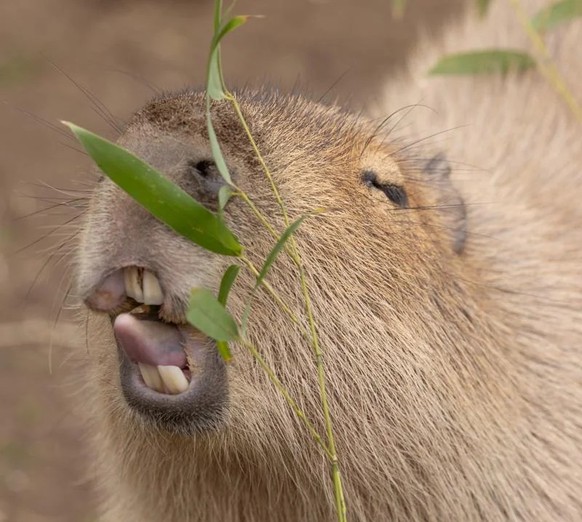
<point x="109" y="294"/>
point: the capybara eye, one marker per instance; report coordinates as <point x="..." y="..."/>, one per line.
<point x="202" y="168"/>
<point x="394" y="193"/>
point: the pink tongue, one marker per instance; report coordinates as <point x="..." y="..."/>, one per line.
<point x="150" y="342"/>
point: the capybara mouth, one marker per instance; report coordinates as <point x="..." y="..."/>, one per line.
<point x="169" y="371"/>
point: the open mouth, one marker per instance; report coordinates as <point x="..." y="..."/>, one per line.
<point x="157" y="348"/>
<point x="168" y="369"/>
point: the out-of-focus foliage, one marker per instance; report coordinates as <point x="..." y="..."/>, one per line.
<point x="484" y="62"/>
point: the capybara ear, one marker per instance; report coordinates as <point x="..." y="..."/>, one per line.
<point x="447" y="200"/>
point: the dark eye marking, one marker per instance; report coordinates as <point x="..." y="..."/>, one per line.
<point x="202" y="168"/>
<point x="393" y="192"/>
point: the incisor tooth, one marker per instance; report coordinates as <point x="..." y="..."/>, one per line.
<point x="174" y="379"/>
<point x="152" y="292"/>
<point x="151" y="377"/>
<point x="132" y="283"/>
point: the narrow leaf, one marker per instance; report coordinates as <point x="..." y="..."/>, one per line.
<point x="556" y="14"/>
<point x="228" y="27"/>
<point x="484" y="62"/>
<point x="224" y="350"/>
<point x="215" y="149"/>
<point x="224" y="195"/>
<point x="278" y="247"/>
<point x="216" y="88"/>
<point x="165" y="200"/>
<point x="483" y="6"/>
<point x="210" y="317"/>
<point x="226" y="284"/>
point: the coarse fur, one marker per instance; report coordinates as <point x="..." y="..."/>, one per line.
<point x="451" y="331"/>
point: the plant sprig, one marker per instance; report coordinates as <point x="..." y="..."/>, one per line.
<point x="501" y="61"/>
<point x="186" y="216"/>
<point x="217" y="90"/>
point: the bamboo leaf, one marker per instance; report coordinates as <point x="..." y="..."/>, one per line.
<point x="216" y="88"/>
<point x="498" y="61"/>
<point x="165" y="200"/>
<point x="210" y="317"/>
<point x="278" y="247"/>
<point x="228" y="27"/>
<point x="483" y="7"/>
<point x="226" y="284"/>
<point x="556" y="14"/>
<point x="224" y="350"/>
<point x="224" y="195"/>
<point x="216" y="150"/>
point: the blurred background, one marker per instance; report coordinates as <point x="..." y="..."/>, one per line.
<point x="90" y="61"/>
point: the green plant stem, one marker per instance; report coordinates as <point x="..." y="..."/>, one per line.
<point x="243" y="195"/>
<point x="232" y="98"/>
<point x="337" y="482"/>
<point x="294" y="253"/>
<point x="281" y="388"/>
<point x="278" y="299"/>
<point x="546" y="65"/>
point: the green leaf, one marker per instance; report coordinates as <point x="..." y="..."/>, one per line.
<point x="556" y="14"/>
<point x="165" y="200"/>
<point x="228" y="27"/>
<point x="224" y="195"/>
<point x="278" y="247"/>
<point x="215" y="149"/>
<point x="484" y="62"/>
<point x="216" y="88"/>
<point x="398" y="8"/>
<point x="483" y="6"/>
<point x="210" y="317"/>
<point x="226" y="284"/>
<point x="224" y="350"/>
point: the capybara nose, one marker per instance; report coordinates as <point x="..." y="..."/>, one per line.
<point x="109" y="294"/>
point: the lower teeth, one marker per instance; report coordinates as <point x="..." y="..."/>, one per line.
<point x="164" y="379"/>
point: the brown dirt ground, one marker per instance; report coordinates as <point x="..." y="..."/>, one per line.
<point x="120" y="49"/>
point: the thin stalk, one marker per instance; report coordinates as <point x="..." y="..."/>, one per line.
<point x="243" y="195"/>
<point x="283" y="391"/>
<point x="546" y="65"/>
<point x="232" y="98"/>
<point x="278" y="299"/>
<point x="294" y="253"/>
<point x="337" y="482"/>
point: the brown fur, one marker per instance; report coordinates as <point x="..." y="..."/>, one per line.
<point x="455" y="378"/>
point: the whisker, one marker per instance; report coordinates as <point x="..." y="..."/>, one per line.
<point x="56" y="321"/>
<point x="59" y="129"/>
<point x="80" y="151"/>
<point x="98" y="106"/>
<point x="421" y="140"/>
<point x="46" y="263"/>
<point x="36" y="241"/>
<point x="139" y="79"/>
<point x="407" y="108"/>
<point x="333" y="85"/>
<point x="49" y="208"/>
